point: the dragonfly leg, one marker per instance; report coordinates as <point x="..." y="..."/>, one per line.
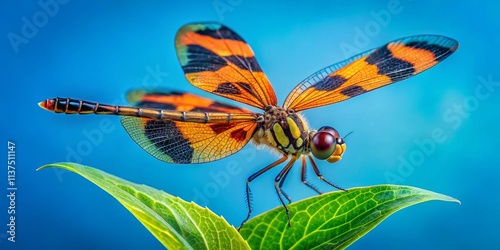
<point x="281" y="185"/>
<point x="278" y="182"/>
<point x="251" y="178"/>
<point x="303" y="176"/>
<point x="320" y="176"/>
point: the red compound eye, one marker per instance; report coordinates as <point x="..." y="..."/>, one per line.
<point x="330" y="130"/>
<point x="323" y="145"/>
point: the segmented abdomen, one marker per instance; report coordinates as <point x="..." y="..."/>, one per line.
<point x="76" y="106"/>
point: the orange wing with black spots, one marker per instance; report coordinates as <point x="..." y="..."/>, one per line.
<point x="367" y="71"/>
<point x="181" y="141"/>
<point x="216" y="59"/>
<point x="179" y="101"/>
<point x="188" y="142"/>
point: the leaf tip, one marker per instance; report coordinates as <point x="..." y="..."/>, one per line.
<point x="448" y="199"/>
<point x="45" y="166"/>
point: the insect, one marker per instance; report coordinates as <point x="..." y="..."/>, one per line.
<point x="184" y="128"/>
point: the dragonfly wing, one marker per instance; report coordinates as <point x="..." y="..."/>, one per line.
<point x="393" y="62"/>
<point x="179" y="101"/>
<point x="216" y="59"/>
<point x="188" y="142"/>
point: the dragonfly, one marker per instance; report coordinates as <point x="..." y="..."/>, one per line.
<point x="184" y="128"/>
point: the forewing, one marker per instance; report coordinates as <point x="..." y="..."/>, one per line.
<point x="216" y="59"/>
<point x="367" y="71"/>
<point x="188" y="142"/>
<point x="180" y="101"/>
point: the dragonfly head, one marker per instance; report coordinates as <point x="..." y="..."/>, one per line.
<point x="326" y="144"/>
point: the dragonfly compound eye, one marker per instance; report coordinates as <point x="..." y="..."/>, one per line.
<point x="323" y="145"/>
<point x="330" y="130"/>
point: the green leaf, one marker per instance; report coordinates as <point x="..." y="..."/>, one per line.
<point x="177" y="224"/>
<point x="333" y="220"/>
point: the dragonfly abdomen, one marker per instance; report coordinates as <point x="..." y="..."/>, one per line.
<point x="76" y="106"/>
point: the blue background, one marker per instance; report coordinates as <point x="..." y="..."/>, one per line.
<point x="99" y="50"/>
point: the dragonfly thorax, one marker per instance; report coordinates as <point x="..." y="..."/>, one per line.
<point x="282" y="129"/>
<point x="287" y="132"/>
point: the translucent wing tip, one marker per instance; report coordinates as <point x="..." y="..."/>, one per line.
<point x="440" y="40"/>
